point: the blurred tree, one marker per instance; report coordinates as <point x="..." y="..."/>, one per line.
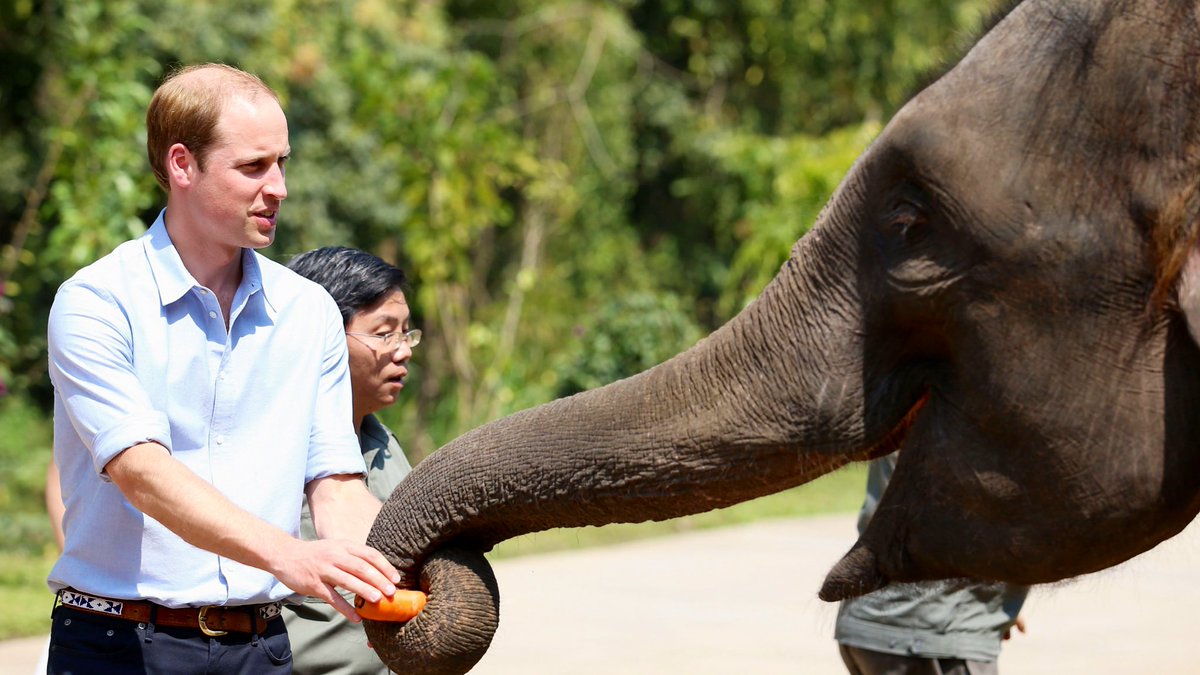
<point x="629" y="334"/>
<point x="578" y="188"/>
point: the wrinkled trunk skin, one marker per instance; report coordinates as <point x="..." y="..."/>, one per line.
<point x="722" y="423"/>
<point x="456" y="627"/>
<point x="981" y="289"/>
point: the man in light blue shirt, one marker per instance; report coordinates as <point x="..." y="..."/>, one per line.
<point x="200" y="391"/>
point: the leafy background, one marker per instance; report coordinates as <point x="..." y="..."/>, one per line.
<point x="578" y="189"/>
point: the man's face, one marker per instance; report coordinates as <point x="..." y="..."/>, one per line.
<point x="376" y="372"/>
<point x="242" y="185"/>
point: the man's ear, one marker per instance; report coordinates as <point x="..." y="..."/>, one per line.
<point x="1189" y="293"/>
<point x="181" y="165"/>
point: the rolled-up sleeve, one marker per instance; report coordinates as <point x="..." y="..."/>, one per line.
<point x="91" y="366"/>
<point x="333" y="445"/>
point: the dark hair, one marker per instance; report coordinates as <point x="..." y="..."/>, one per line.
<point x="356" y="279"/>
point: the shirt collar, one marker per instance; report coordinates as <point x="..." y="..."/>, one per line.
<point x="173" y="279"/>
<point x="253" y="280"/>
<point x="372" y="432"/>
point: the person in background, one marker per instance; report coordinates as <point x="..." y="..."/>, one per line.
<point x="54" y="509"/>
<point x="200" y="392"/>
<point x="940" y="628"/>
<point x="370" y="296"/>
<point x="54" y="504"/>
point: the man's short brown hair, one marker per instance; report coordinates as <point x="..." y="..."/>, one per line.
<point x="186" y="107"/>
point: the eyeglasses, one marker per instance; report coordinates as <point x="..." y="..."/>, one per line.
<point x="391" y="341"/>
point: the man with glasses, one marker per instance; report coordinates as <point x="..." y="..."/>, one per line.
<point x="370" y="296"/>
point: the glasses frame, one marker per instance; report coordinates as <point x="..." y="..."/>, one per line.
<point x="392" y="341"/>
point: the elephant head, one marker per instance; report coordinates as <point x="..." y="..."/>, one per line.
<point x="993" y="285"/>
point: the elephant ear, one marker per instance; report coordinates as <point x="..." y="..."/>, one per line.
<point x="1189" y="293"/>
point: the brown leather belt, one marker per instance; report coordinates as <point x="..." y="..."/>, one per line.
<point x="215" y="620"/>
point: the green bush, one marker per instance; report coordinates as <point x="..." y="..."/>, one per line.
<point x="26" y="539"/>
<point x="24" y="592"/>
<point x="628" y="335"/>
<point x="25" y="451"/>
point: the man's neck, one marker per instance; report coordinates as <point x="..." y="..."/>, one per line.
<point x="216" y="267"/>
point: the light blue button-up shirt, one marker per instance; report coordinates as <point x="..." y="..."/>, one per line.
<point x="139" y="352"/>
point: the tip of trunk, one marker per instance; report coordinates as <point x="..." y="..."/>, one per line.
<point x="855" y="574"/>
<point x="456" y="627"/>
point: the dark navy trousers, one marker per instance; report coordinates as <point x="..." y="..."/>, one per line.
<point x="84" y="643"/>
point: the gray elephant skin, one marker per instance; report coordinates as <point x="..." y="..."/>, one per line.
<point x="995" y="285"/>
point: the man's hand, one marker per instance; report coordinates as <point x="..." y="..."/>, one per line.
<point x="319" y="568"/>
<point x="164" y="489"/>
<point x="343" y="510"/>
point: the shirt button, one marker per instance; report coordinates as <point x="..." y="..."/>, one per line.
<point x="220" y="440"/>
<point x="212" y="315"/>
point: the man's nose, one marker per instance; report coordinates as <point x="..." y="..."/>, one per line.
<point x="403" y="352"/>
<point x="276" y="185"/>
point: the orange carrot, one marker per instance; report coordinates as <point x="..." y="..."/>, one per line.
<point x="402" y="606"/>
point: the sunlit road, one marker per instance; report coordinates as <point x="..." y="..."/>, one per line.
<point x="743" y="600"/>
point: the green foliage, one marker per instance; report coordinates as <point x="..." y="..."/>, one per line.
<point x="529" y="163"/>
<point x="775" y="188"/>
<point x="23" y="590"/>
<point x="25" y="452"/>
<point x="26" y="539"/>
<point x="804" y="66"/>
<point x="578" y="189"/>
<point x="629" y="334"/>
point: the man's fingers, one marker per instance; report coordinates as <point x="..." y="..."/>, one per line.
<point x="382" y="564"/>
<point x="360" y="576"/>
<point x="339" y="603"/>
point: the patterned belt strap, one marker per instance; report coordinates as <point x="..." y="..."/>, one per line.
<point x="140" y="610"/>
<point x="270" y="610"/>
<point x="73" y="598"/>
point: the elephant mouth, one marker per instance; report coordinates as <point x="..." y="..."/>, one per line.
<point x="894" y="438"/>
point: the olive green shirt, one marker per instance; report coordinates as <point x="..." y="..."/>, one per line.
<point x="323" y="641"/>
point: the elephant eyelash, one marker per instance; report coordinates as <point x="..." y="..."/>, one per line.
<point x="907" y="221"/>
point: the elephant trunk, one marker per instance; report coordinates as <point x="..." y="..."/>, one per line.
<point x="773" y="399"/>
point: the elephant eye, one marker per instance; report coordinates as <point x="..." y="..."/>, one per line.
<point x="908" y="222"/>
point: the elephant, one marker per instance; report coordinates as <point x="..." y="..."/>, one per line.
<point x="1002" y="283"/>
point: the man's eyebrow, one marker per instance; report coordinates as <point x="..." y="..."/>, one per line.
<point x="253" y="159"/>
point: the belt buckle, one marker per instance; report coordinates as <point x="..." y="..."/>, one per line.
<point x="204" y="627"/>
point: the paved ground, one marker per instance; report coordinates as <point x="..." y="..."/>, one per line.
<point x="744" y="600"/>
